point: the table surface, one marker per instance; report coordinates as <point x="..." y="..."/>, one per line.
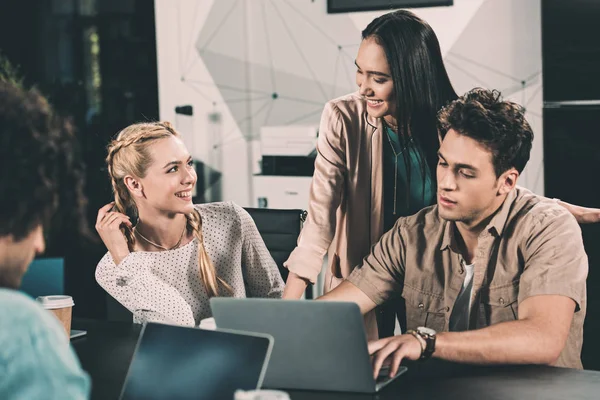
<point x="106" y="351"/>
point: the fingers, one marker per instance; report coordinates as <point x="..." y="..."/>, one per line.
<point x="395" y="364"/>
<point x="381" y="356"/>
<point x="102" y="212"/>
<point x="116" y="217"/>
<point x="109" y="215"/>
<point x="594" y="217"/>
<point x="378" y="344"/>
<point x="111" y="218"/>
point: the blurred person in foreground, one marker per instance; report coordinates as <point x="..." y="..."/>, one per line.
<point x="39" y="173"/>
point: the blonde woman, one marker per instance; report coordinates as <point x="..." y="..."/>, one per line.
<point x="166" y="256"/>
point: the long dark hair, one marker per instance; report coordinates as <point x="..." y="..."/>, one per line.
<point x="421" y="83"/>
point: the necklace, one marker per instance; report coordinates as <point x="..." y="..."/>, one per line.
<point x="158" y="245"/>
<point x="396" y="164"/>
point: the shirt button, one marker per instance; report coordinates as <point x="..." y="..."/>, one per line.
<point x="501" y="301"/>
<point x="421" y="305"/>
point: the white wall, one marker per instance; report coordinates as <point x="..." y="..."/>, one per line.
<point x="227" y="58"/>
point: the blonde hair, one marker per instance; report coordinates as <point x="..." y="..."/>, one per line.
<point x="129" y="154"/>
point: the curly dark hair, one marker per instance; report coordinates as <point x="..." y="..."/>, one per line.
<point x="498" y="124"/>
<point x="39" y="163"/>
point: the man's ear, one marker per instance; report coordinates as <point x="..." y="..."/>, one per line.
<point x="134" y="186"/>
<point x="508" y="181"/>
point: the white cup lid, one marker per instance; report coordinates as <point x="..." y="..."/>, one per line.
<point x="54" y="302"/>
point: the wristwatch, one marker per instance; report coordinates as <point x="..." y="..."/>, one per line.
<point x="428" y="335"/>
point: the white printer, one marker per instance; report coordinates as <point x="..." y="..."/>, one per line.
<point x="287" y="164"/>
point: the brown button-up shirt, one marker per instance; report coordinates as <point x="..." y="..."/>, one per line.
<point x="532" y="246"/>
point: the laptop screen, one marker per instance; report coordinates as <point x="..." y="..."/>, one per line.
<point x="173" y="362"/>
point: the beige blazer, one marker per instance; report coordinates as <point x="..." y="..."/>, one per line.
<point x="345" y="212"/>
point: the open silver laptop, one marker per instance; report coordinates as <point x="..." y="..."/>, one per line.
<point x="174" y="362"/>
<point x="319" y="345"/>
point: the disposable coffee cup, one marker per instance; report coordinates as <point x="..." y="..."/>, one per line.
<point x="61" y="307"/>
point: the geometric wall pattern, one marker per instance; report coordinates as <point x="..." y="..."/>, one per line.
<point x="276" y="62"/>
<point x="500" y="48"/>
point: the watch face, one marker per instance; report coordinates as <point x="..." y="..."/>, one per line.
<point x="426" y="331"/>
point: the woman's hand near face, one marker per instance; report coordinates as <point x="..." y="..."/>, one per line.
<point x="108" y="225"/>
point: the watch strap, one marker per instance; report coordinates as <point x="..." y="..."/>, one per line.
<point x="429" y="344"/>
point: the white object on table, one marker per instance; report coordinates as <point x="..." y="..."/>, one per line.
<point x="208" y="324"/>
<point x="260" y="395"/>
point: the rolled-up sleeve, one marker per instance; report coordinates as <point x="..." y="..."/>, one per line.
<point x="555" y="259"/>
<point x="381" y="274"/>
<point x="324" y="198"/>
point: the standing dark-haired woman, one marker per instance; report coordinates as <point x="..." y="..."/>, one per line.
<point x="377" y="149"/>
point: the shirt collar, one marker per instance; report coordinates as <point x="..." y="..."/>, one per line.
<point x="374" y="122"/>
<point x="448" y="240"/>
<point x="498" y="221"/>
<point x="495" y="226"/>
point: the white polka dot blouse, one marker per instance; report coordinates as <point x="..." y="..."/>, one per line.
<point x="165" y="286"/>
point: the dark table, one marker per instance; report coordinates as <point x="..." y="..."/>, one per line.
<point x="106" y="352"/>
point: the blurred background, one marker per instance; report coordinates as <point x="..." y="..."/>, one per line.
<point x="245" y="82"/>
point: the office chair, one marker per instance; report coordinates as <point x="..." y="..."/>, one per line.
<point x="279" y="230"/>
<point x="44" y="277"/>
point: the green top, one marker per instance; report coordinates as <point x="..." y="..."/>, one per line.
<point x="418" y="196"/>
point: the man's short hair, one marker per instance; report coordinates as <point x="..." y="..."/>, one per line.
<point x="499" y="125"/>
<point x="38" y="162"/>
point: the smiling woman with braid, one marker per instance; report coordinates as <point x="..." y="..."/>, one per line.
<point x="166" y="256"/>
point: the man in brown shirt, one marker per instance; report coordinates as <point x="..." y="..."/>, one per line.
<point x="492" y="274"/>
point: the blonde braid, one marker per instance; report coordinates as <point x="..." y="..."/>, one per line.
<point x="128" y="154"/>
<point x="133" y="134"/>
<point x="121" y="195"/>
<point x="207" y="270"/>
